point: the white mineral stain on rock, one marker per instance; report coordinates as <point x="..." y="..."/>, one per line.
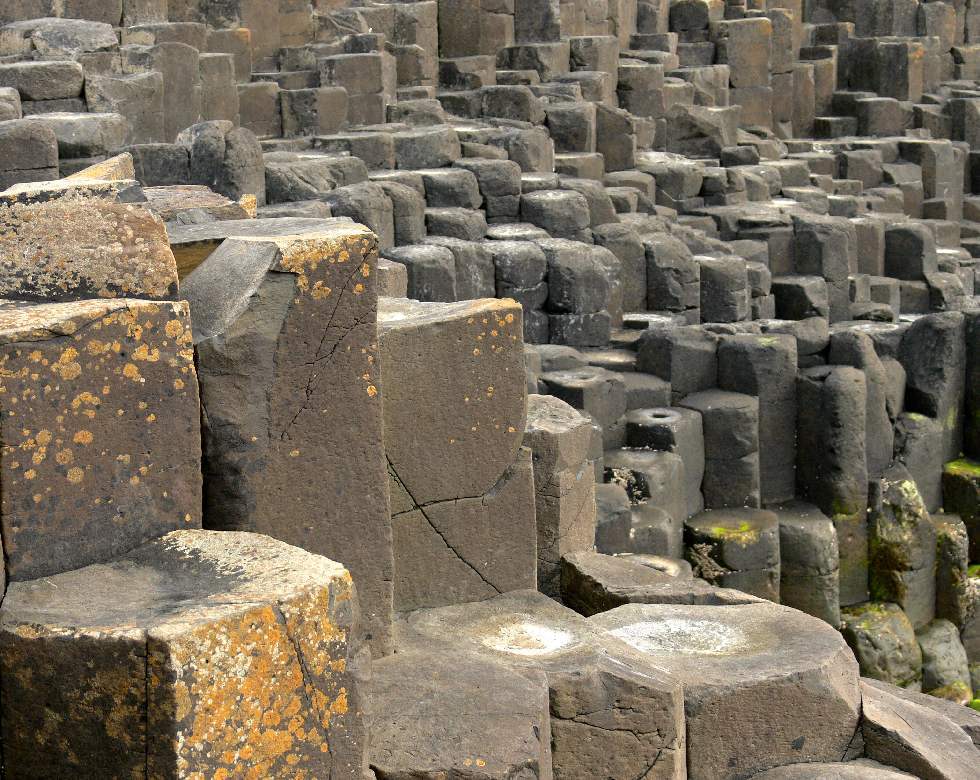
<point x="528" y="639"/>
<point x="682" y="636"/>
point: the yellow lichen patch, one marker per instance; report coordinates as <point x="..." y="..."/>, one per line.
<point x="145" y="353"/>
<point x="246" y="707"/>
<point x="66" y="366"/>
<point x="75" y="475"/>
<point x="130" y="371"/>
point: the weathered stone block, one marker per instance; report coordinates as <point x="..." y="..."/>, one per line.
<point x="287" y="358"/>
<point x="108" y="457"/>
<point x="231" y="653"/>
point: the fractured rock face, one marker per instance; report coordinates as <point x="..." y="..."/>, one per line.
<point x="469" y="716"/>
<point x="763" y="685"/>
<point x="291" y="408"/>
<point x="915" y="739"/>
<point x="462" y="490"/>
<point x="100" y="430"/>
<point x="231" y="654"/>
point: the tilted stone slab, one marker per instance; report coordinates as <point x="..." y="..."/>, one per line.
<point x="764" y="685"/>
<point x="100" y="430"/>
<point x="193" y="244"/>
<point x="230" y="654"/>
<point x="862" y="769"/>
<point x="915" y="739"/>
<point x="84" y="246"/>
<point x="286" y="348"/>
<point x="593" y="583"/>
<point x="614" y="714"/>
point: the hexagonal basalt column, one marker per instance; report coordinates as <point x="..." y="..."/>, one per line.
<point x="100" y="430"/>
<point x="614" y="714"/>
<point x="230" y="656"/>
<point x="286" y="341"/>
<point x="462" y="489"/>
<point x="764" y="685"/>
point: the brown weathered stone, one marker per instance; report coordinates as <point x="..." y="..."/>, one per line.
<point x="231" y="655"/>
<point x="100" y="430"/>
<point x="80" y="246"/>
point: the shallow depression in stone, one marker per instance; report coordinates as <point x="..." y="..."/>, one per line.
<point x="684" y="636"/>
<point x="527" y="638"/>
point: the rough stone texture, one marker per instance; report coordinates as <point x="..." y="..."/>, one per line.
<point x="564" y="484"/>
<point x="287" y="357"/>
<point x="469" y="716"/>
<point x="736" y="548"/>
<point x="593" y="583"/>
<point x="613" y="712"/>
<point x="781" y="686"/>
<point x="902" y="545"/>
<point x="231" y="653"/>
<point x="82" y="246"/>
<point x="884" y="643"/>
<point x="915" y="739"/>
<point x="100" y="432"/>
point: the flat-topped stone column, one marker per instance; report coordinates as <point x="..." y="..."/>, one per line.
<point x="764" y="685"/>
<point x="199" y="654"/>
<point x="462" y="488"/>
<point x="100" y="430"/>
<point x="286" y="343"/>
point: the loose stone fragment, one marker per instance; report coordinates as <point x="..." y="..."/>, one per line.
<point x="913" y="738"/>
<point x="593" y="583"/>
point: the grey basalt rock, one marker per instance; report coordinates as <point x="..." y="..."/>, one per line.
<point x="471" y="716"/>
<point x="915" y="739"/>
<point x="592" y="583"/>
<point x="281" y="325"/>
<point x="781" y="686"/>
<point x="613" y="713"/>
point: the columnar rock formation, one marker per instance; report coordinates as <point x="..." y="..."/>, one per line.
<point x="474" y="388"/>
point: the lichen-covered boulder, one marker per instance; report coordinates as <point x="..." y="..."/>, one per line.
<point x="199" y="654"/>
<point x="100" y="432"/>
<point x="84" y="246"/>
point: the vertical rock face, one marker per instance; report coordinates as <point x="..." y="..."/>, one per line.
<point x="100" y="430"/>
<point x="231" y="655"/>
<point x="564" y="484"/>
<point x="290" y="396"/>
<point x="462" y="488"/>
